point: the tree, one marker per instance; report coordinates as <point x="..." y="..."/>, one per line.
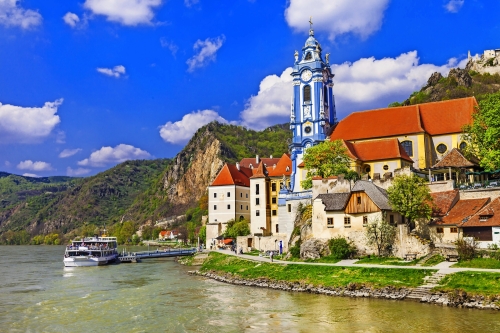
<point x="483" y="134"/>
<point x="381" y="234"/>
<point x="235" y="229"/>
<point x="410" y="196"/>
<point x="326" y="159"/>
<point x="203" y="234"/>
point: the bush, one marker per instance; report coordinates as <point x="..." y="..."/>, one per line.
<point x="295" y="250"/>
<point x="340" y="248"/>
<point x="467" y="248"/>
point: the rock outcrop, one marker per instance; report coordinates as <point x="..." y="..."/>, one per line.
<point x="461" y="76"/>
<point x="314" y="249"/>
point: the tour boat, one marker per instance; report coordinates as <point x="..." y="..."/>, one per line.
<point x="91" y="251"/>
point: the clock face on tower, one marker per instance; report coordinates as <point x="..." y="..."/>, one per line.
<point x="306" y="75"/>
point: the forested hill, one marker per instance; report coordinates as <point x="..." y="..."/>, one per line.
<point x="137" y="191"/>
<point x="458" y="84"/>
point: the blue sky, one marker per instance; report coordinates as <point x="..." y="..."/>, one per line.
<point x="87" y="84"/>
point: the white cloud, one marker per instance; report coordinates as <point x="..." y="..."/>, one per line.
<point x="126" y="12"/>
<point x="271" y="104"/>
<point x="7" y="163"/>
<point x="71" y="19"/>
<point x="69" y="152"/>
<point x="27" y="124"/>
<point x="169" y="45"/>
<point x="32" y="175"/>
<point x="367" y="83"/>
<point x="116" y="71"/>
<point x="207" y="51"/>
<point x="337" y="17"/>
<point x="13" y="15"/>
<point x="118" y="154"/>
<point x="181" y="131"/>
<point x="453" y="6"/>
<point x="76" y="172"/>
<point x="34" y="166"/>
<point x="190" y="3"/>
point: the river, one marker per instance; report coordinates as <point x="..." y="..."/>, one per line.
<point x="38" y="294"/>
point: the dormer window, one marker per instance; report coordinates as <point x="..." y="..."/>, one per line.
<point x="308" y="56"/>
<point x="483" y="218"/>
<point x="287" y="168"/>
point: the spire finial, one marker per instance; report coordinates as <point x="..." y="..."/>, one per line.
<point x="311" y="31"/>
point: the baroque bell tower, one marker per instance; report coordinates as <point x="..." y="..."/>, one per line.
<point x="313" y="103"/>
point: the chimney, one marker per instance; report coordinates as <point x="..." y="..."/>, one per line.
<point x="238" y="166"/>
<point x="257" y="160"/>
<point x="271" y="156"/>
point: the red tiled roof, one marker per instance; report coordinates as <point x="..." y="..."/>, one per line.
<point x="462" y="210"/>
<point x="281" y="167"/>
<point x="376" y="150"/>
<point x="490" y="212"/>
<point x="447" y="116"/>
<point x="163" y="233"/>
<point x="455" y="159"/>
<point x="260" y="171"/>
<point x="379" y="123"/>
<point x="230" y="175"/>
<point x="443" y="201"/>
<point x="434" y="118"/>
<point x="249" y="161"/>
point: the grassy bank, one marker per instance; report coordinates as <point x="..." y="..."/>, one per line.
<point x="327" y="276"/>
<point x="480" y="283"/>
<point x="374" y="260"/>
<point x="479" y="263"/>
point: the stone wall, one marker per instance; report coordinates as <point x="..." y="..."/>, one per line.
<point x="492" y="193"/>
<point x="406" y="243"/>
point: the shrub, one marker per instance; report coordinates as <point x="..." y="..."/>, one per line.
<point x="467" y="248"/>
<point x="341" y="248"/>
<point x="295" y="250"/>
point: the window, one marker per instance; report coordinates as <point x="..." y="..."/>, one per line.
<point x="215" y="195"/>
<point x="307" y="129"/>
<point x="454" y="230"/>
<point x="246" y="195"/>
<point x="367" y="169"/>
<point x="273" y="200"/>
<point x="257" y="201"/>
<point x="247" y="207"/>
<point x="439" y="230"/>
<point x="347" y="222"/>
<point x="257" y="213"/>
<point x="408" y="147"/>
<point x="274" y="212"/>
<point x="307" y="93"/>
<point x="358" y="200"/>
<point x="241" y="218"/>
<point x="241" y="195"/>
<point x="441" y="148"/>
<point x="289" y="208"/>
<point x="365" y="221"/>
<point x="463" y="145"/>
<point x="256" y="188"/>
<point x="329" y="221"/>
<point x="229" y="194"/>
<point x="391" y="219"/>
<point x="273" y="187"/>
<point x="228" y="206"/>
<point x="483" y="218"/>
<point x="277" y="228"/>
<point x="215" y="207"/>
<point x="385" y="167"/>
<point x="308" y="56"/>
<point x="241" y="207"/>
<point x="325" y="95"/>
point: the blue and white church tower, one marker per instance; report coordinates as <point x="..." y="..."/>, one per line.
<point x="313" y="104"/>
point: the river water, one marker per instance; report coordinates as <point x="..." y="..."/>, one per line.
<point x="37" y="294"/>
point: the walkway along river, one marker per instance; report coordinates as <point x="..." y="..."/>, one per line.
<point x="39" y="295"/>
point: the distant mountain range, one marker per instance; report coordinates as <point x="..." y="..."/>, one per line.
<point x="139" y="191"/>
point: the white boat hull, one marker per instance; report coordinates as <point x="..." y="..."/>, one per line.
<point x="83" y="261"/>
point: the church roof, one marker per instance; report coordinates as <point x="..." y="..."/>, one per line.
<point x="435" y="118"/>
<point x="376" y="150"/>
<point x="455" y="159"/>
<point x="377" y="194"/>
<point x="232" y="175"/>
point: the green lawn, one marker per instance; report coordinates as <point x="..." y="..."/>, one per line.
<point x="316" y="275"/>
<point x="374" y="260"/>
<point x="479" y="263"/>
<point x="434" y="260"/>
<point x="482" y="283"/>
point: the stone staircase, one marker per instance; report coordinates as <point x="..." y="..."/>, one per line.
<point x="425" y="290"/>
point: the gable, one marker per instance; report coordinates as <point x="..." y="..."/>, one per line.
<point x="360" y="202"/>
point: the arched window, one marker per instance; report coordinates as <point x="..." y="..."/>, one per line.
<point x="325" y="95"/>
<point x="408" y="147"/>
<point x="463" y="145"/>
<point x="307" y="93"/>
<point x="308" y="56"/>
